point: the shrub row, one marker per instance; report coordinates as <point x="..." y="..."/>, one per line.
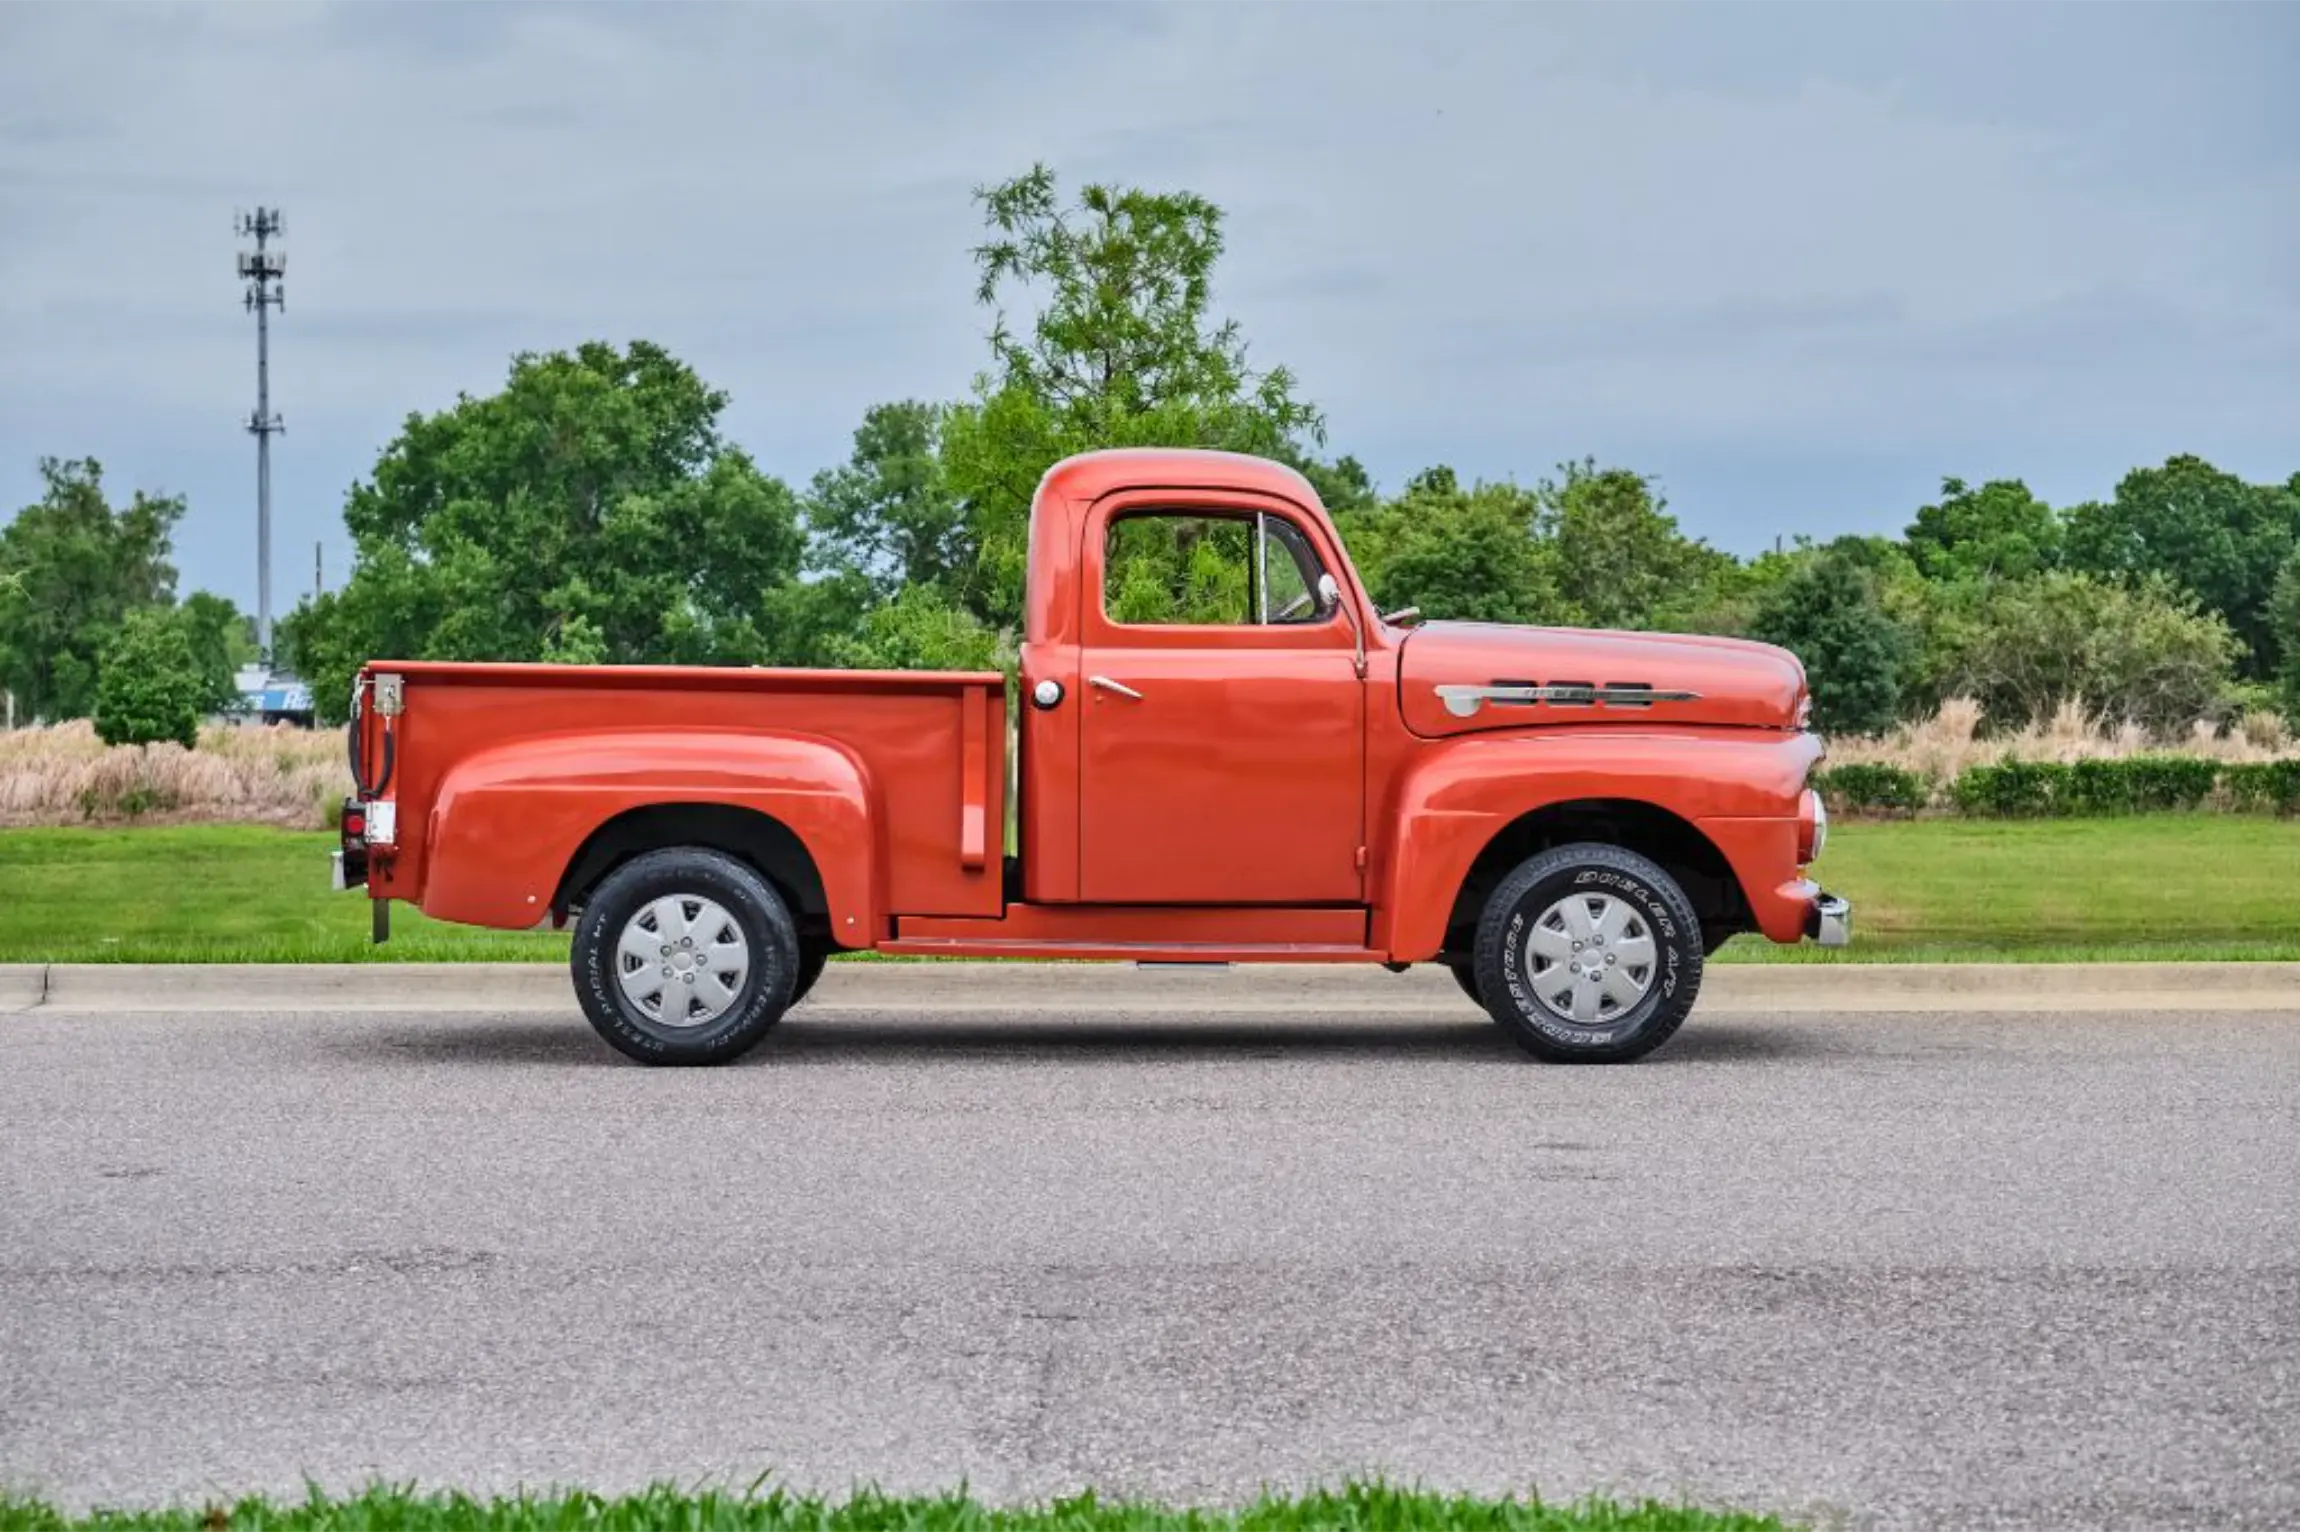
<point x="2015" y="789"/>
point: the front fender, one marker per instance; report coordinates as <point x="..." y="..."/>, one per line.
<point x="507" y="821"/>
<point x="1738" y="787"/>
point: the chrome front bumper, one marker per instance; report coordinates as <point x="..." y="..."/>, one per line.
<point x="1831" y="923"/>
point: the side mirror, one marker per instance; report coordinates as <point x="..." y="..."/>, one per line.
<point x="1329" y="591"/>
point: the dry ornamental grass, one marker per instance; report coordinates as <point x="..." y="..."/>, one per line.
<point x="1945" y="745"/>
<point x="62" y="774"/>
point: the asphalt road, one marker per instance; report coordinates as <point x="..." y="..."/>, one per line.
<point x="1935" y="1271"/>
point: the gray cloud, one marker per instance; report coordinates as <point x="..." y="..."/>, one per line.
<point x="1798" y="261"/>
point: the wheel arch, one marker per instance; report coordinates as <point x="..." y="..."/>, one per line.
<point x="752" y="836"/>
<point x="1670" y="841"/>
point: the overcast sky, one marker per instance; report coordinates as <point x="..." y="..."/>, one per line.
<point x="1798" y="262"/>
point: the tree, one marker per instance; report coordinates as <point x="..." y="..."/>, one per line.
<point x="1621" y="561"/>
<point x="2284" y="623"/>
<point x="2144" y="651"/>
<point x="888" y="513"/>
<point x="222" y="639"/>
<point x="2221" y="538"/>
<point x="151" y="686"/>
<point x="1467" y="554"/>
<point x="1827" y="612"/>
<point x="1122" y="351"/>
<point x="76" y="568"/>
<point x="1999" y="531"/>
<point x="590" y="510"/>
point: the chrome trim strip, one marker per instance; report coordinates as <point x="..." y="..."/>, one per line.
<point x="1108" y="685"/>
<point x="1464" y="701"/>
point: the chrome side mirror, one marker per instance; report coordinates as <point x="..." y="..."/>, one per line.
<point x="1329" y="590"/>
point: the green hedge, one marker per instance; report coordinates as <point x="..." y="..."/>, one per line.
<point x="2269" y="785"/>
<point x="2012" y="789"/>
<point x="1871" y="789"/>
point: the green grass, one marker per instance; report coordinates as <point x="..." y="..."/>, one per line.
<point x="1356" y="1508"/>
<point x="2193" y="887"/>
<point x="2168" y="886"/>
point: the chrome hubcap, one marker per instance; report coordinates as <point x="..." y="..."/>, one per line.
<point x="1589" y="959"/>
<point x="682" y="960"/>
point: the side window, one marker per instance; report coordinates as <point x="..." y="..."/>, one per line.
<point x="1290" y="572"/>
<point x="1185" y="569"/>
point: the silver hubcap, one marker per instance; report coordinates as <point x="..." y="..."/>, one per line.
<point x="1590" y="958"/>
<point x="682" y="960"/>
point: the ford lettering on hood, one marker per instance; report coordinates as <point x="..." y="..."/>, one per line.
<point x="1456" y="677"/>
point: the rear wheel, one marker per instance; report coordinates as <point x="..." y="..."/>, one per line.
<point x="1589" y="954"/>
<point x="684" y="956"/>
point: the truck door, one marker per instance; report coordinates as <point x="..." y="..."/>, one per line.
<point x="1221" y="713"/>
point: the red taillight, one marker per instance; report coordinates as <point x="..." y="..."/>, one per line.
<point x="354" y="822"/>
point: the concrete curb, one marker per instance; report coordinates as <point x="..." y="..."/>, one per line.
<point x="22" y="986"/>
<point x="961" y="987"/>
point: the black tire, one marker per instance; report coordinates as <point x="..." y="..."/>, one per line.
<point x="1656" y="910"/>
<point x="812" y="957"/>
<point x="762" y="995"/>
<point x="1465" y="974"/>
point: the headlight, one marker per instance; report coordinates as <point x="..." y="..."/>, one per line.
<point x="1812" y="828"/>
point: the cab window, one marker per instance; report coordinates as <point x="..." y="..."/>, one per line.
<point x="1192" y="568"/>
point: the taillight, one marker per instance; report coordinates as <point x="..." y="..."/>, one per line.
<point x="355" y="822"/>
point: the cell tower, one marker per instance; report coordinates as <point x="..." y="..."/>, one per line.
<point x="265" y="272"/>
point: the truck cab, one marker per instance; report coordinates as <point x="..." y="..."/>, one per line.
<point x="1222" y="752"/>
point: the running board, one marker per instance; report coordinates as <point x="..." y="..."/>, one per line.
<point x="1146" y="954"/>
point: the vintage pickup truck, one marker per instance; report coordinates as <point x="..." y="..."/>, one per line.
<point x="1266" y="771"/>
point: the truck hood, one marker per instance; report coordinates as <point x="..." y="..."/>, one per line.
<point x="1592" y="677"/>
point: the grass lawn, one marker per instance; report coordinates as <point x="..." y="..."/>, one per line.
<point x="2192" y="886"/>
<point x="1364" y="1508"/>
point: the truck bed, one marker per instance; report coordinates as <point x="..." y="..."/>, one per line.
<point x="930" y="747"/>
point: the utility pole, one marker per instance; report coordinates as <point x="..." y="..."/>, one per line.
<point x="318" y="572"/>
<point x="264" y="270"/>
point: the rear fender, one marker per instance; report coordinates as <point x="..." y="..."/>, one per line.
<point x="508" y="821"/>
<point x="1737" y="787"/>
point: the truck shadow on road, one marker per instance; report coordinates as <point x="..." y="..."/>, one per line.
<point x="805" y="1041"/>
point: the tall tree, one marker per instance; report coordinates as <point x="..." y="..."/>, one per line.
<point x="2284" y="623"/>
<point x="589" y="510"/>
<point x="222" y="639"/>
<point x="1121" y="349"/>
<point x="74" y="568"/>
<point x="888" y="513"/>
<point x="1828" y="613"/>
<point x="1621" y="560"/>
<point x="1998" y="531"/>
<point x="2212" y="532"/>
<point x="1466" y="554"/>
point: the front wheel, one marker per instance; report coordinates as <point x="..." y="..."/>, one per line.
<point x="1589" y="954"/>
<point x="684" y="956"/>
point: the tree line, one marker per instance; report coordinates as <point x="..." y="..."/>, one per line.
<point x="592" y="510"/>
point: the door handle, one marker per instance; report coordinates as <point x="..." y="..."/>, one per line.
<point x="1108" y="685"/>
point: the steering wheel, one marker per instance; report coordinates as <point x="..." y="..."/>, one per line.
<point x="1295" y="607"/>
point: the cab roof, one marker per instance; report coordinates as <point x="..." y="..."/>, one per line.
<point x="1087" y="476"/>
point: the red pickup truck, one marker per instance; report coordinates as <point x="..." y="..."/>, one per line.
<point x="1224" y="754"/>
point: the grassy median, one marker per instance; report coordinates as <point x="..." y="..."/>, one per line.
<point x="2185" y="886"/>
<point x="1358" y="1508"/>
